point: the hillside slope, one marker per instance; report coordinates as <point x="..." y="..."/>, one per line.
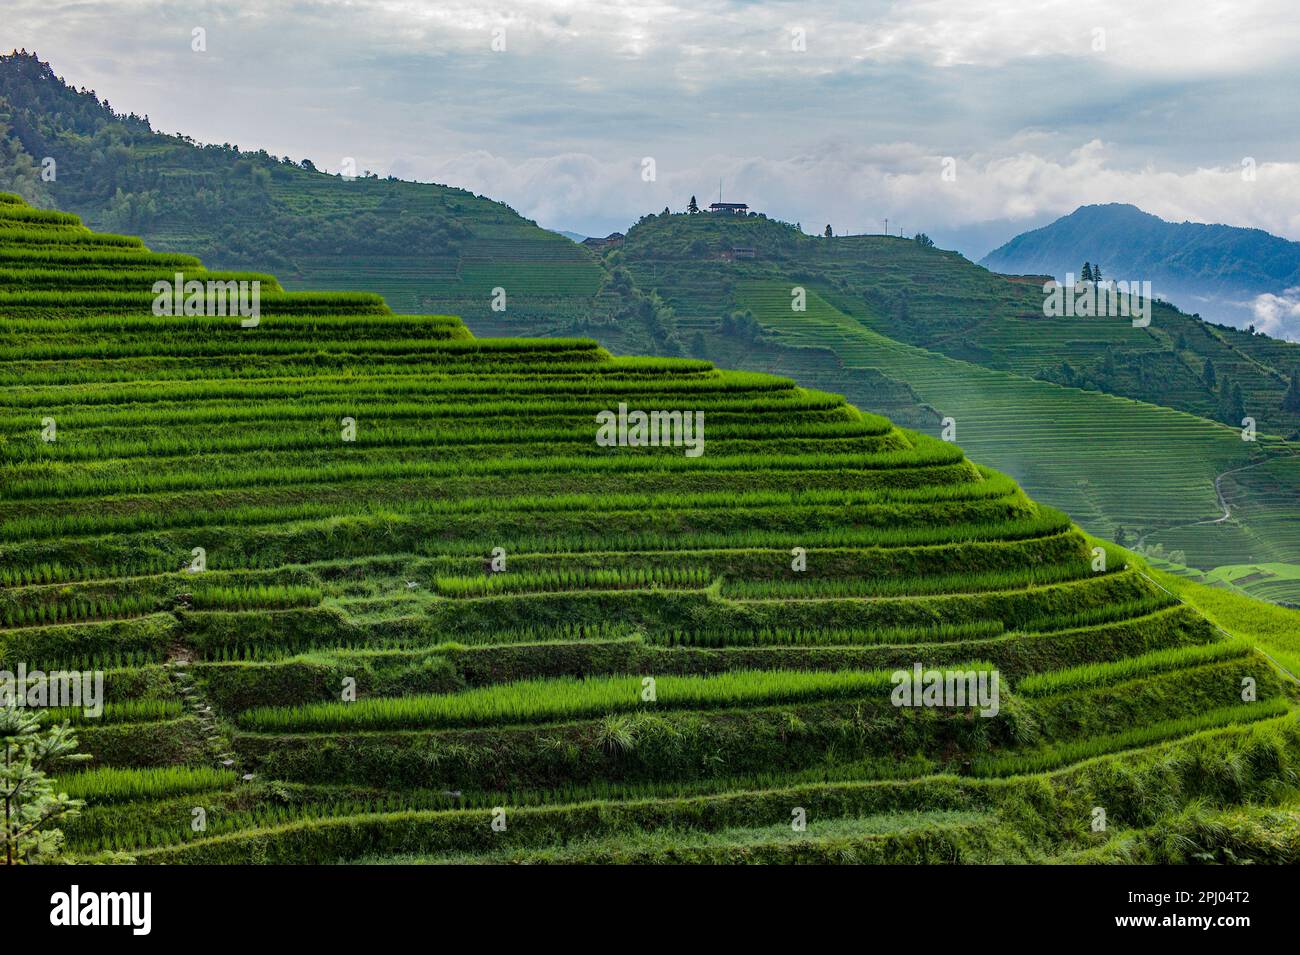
<point x="942" y="302"/>
<point x="658" y="655"/>
<point x="674" y="289"/>
<point x="921" y="334"/>
<point x="1217" y="270"/>
<point x="437" y="249"/>
<point x="425" y="247"/>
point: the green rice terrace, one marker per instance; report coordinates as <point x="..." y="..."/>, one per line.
<point x="366" y="587"/>
<point x="1135" y="432"/>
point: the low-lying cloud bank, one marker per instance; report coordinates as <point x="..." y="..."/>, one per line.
<point x="855" y="188"/>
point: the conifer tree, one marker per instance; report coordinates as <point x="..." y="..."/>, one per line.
<point x="29" y="803"/>
<point x="1291" y="400"/>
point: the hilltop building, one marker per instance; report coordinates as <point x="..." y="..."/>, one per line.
<point x="611" y="241"/>
<point x="730" y="208"/>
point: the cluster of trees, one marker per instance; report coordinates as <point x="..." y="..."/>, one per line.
<point x="1231" y="403"/>
<point x="741" y="325"/>
<point x="1142" y="374"/>
<point x="19" y="173"/>
<point x="637" y="310"/>
<point x="1090" y="273"/>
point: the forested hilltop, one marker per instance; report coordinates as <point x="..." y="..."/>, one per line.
<point x="242" y="209"/>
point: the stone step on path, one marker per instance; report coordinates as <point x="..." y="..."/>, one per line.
<point x="218" y="743"/>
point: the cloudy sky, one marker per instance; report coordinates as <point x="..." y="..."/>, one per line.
<point x="836" y="111"/>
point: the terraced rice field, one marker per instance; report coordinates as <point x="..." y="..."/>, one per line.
<point x="367" y="587"/>
<point x="1264" y="520"/>
<point x="1109" y="462"/>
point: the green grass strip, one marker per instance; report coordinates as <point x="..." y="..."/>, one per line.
<point x="1040" y="760"/>
<point x="1091" y="675"/>
<point x="113" y="785"/>
<point x="535" y="701"/>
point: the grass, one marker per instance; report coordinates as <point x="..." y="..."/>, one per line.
<point x="1063" y="754"/>
<point x="630" y="579"/>
<point x="1274" y="629"/>
<point x="1099" y="674"/>
<point x="538" y="701"/>
<point x="248" y="598"/>
<point x="126" y="711"/>
<point x="930" y="584"/>
<point x="941" y="633"/>
<point x="837" y="835"/>
<point x="108" y="785"/>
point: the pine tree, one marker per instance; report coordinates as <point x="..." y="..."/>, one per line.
<point x="1291" y="400"/>
<point x="28" y="800"/>
<point x="1232" y="407"/>
<point x="1086" y="274"/>
<point x="1207" y="374"/>
<point x="692" y="207"/>
<point x="1096" y="273"/>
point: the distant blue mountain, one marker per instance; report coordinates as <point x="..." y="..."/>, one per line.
<point x="1216" y="270"/>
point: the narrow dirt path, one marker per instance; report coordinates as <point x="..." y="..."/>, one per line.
<point x="1218" y="493"/>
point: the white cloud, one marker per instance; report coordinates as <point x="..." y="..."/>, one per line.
<point x="855" y="187"/>
<point x="851" y="131"/>
<point x="1278" y="315"/>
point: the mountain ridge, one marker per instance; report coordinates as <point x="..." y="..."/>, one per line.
<point x="1218" y="268"/>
